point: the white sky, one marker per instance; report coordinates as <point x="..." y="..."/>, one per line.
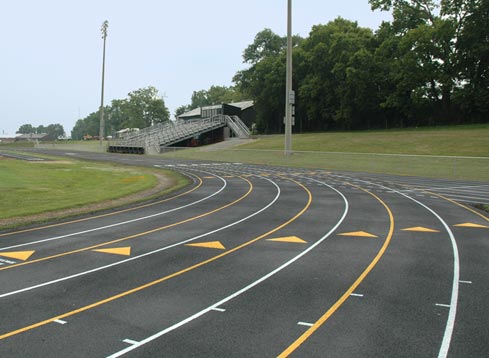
<point x="51" y="50"/>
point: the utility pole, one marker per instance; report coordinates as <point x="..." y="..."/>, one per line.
<point x="104" y="28"/>
<point x="289" y="94"/>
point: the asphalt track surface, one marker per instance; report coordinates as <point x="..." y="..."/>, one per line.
<point x="256" y="261"/>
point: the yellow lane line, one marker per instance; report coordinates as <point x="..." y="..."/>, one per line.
<point x="250" y="189"/>
<point x="107" y="214"/>
<point x="307" y="334"/>
<point x="165" y="278"/>
<point x="449" y="200"/>
<point x="461" y="205"/>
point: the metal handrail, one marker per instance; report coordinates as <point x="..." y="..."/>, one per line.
<point x="164" y="134"/>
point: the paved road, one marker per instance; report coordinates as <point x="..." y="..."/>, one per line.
<point x="255" y="261"/>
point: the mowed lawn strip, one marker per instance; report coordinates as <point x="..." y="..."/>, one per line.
<point x="427" y="152"/>
<point x="467" y="140"/>
<point x="28" y="188"/>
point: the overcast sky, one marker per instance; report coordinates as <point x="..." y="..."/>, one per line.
<point x="51" y="50"/>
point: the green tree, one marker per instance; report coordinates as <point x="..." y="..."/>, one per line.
<point x="337" y="76"/>
<point x="473" y="64"/>
<point x="55" y="130"/>
<point x="215" y="95"/>
<point x="145" y="107"/>
<point x="266" y="44"/>
<point x="26" y="129"/>
<point x="264" y="80"/>
<point x="89" y="125"/>
<point x="439" y="55"/>
<point x="117" y="116"/>
<point x="267" y="87"/>
<point x="41" y="129"/>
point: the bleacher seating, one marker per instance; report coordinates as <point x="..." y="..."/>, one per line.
<point x="151" y="139"/>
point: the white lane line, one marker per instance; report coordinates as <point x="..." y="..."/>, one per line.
<point x="121" y="223"/>
<point x="8" y="262"/>
<point x="243" y="290"/>
<point x="467" y="282"/>
<point x="148" y="253"/>
<point x="218" y="309"/>
<point x="447" y="337"/>
<point x="59" y="321"/>
<point x="356" y="294"/>
<point x="130" y="341"/>
<point x="442" y="305"/>
<point x="305" y="324"/>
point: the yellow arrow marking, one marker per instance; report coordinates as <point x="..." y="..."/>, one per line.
<point x="124" y="251"/>
<point x="358" y="234"/>
<point x="293" y="239"/>
<point x="209" y="245"/>
<point x="19" y="255"/>
<point x="419" y="229"/>
<point x="473" y="225"/>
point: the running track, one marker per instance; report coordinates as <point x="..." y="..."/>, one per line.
<point x="256" y="261"/>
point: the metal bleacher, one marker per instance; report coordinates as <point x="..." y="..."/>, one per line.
<point x="151" y="139"/>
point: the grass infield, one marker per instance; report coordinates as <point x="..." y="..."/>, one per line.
<point x="29" y="188"/>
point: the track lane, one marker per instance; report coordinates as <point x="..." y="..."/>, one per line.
<point x="153" y="251"/>
<point x="218" y="321"/>
<point x="104" y="301"/>
<point x="217" y="305"/>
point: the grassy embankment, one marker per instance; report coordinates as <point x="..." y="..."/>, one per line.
<point x="29" y="188"/>
<point x="428" y="152"/>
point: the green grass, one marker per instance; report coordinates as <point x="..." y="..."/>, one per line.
<point x="453" y="141"/>
<point x="483" y="207"/>
<point x="28" y="188"/>
<point x="403" y="152"/>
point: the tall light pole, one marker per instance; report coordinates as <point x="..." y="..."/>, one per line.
<point x="104" y="28"/>
<point x="289" y="94"/>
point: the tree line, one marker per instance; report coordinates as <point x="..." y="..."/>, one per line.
<point x="53" y="130"/>
<point x="142" y="108"/>
<point x="428" y="66"/>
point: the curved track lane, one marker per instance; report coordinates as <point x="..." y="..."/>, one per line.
<point x="255" y="261"/>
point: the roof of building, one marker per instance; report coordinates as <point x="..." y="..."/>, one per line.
<point x="31" y="136"/>
<point x="196" y="112"/>
<point x="243" y="105"/>
<point x="193" y="113"/>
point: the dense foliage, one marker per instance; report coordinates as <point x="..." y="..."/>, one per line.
<point x="143" y="108"/>
<point x="53" y="130"/>
<point x="430" y="65"/>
